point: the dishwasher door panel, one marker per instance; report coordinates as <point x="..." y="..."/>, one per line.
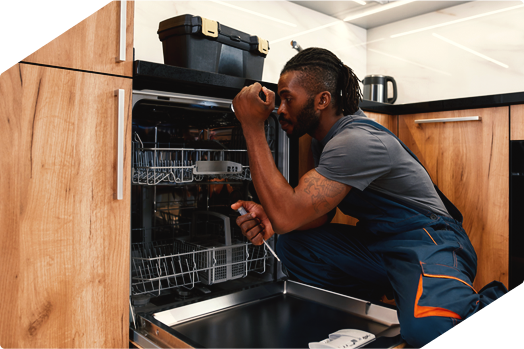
<point x="278" y="315"/>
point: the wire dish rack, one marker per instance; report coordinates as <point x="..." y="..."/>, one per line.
<point x="152" y="166"/>
<point x="194" y="258"/>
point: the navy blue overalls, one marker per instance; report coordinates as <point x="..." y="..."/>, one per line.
<point x="426" y="261"/>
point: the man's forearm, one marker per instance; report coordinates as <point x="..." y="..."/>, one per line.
<point x="275" y="193"/>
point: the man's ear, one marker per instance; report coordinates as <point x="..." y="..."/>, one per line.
<point x="323" y="100"/>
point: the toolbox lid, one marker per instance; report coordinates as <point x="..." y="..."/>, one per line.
<point x="212" y="30"/>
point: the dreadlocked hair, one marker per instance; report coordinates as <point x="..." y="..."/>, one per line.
<point x="323" y="71"/>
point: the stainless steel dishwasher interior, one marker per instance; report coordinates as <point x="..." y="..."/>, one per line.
<point x="276" y="315"/>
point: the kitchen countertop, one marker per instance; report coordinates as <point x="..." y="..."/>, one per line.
<point x="167" y="78"/>
<point x="161" y="77"/>
<point x="489" y="101"/>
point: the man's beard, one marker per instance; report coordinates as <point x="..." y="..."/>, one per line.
<point x="307" y="120"/>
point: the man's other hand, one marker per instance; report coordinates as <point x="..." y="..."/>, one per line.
<point x="255" y="225"/>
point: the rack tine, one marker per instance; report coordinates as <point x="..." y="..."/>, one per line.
<point x="174" y="272"/>
<point x="181" y="271"/>
<point x="167" y="273"/>
<point x="142" y="277"/>
<point x="159" y="270"/>
<point x="191" y="276"/>
<point x="247" y="260"/>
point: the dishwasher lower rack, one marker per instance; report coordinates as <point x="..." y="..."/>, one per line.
<point x="164" y="265"/>
<point x="279" y="314"/>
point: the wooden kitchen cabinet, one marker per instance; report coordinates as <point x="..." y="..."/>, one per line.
<point x="64" y="238"/>
<point x="93" y="44"/>
<point x="388" y="121"/>
<point x="517" y="122"/>
<point x="469" y="161"/>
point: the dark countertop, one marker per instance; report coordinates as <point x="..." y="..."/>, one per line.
<point x="161" y="77"/>
<point x="489" y="101"/>
<point x="168" y="78"/>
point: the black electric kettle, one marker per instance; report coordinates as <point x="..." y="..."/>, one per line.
<point x="376" y="88"/>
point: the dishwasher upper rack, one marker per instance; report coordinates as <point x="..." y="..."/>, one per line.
<point x="164" y="265"/>
<point x="152" y="166"/>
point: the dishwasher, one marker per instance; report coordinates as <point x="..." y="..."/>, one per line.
<point x="196" y="281"/>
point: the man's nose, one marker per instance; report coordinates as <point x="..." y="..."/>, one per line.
<point x="280" y="109"/>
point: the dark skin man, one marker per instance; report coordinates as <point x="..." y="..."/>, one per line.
<point x="285" y="208"/>
<point x="409" y="242"/>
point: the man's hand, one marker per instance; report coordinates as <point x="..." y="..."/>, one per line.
<point x="250" y="109"/>
<point x="255" y="225"/>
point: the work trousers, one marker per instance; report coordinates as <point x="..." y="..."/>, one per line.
<point x="428" y="270"/>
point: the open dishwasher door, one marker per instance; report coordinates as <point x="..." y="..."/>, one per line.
<point x="282" y="314"/>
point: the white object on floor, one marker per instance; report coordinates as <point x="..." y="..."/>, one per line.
<point x="350" y="339"/>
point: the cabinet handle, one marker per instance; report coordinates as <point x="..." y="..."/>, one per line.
<point x="464" y="118"/>
<point x="123" y="24"/>
<point x="120" y="93"/>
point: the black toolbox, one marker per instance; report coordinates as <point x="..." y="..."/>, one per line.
<point x="198" y="43"/>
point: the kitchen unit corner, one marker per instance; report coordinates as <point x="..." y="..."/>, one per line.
<point x="66" y="237"/>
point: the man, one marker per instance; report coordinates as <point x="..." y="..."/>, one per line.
<point x="409" y="240"/>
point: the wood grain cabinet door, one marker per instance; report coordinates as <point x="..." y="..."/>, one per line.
<point x="93" y="44"/>
<point x="388" y="121"/>
<point x="64" y="237"/>
<point x="469" y="161"/>
<point x="517" y="122"/>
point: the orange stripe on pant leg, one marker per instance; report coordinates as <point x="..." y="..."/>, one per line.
<point x="423" y="311"/>
<point x="451" y="278"/>
<point x="429" y="235"/>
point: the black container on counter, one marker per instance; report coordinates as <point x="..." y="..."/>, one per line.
<point x="198" y="43"/>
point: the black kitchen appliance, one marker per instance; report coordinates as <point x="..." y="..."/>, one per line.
<point x="376" y="88"/>
<point x="195" y="280"/>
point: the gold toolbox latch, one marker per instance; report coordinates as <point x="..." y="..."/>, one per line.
<point x="263" y="45"/>
<point x="209" y="27"/>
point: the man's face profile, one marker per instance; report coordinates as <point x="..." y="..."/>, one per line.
<point x="297" y="114"/>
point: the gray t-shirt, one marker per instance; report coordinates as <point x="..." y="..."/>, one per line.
<point x="363" y="156"/>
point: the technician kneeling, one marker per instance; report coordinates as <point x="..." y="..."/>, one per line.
<point x="409" y="241"/>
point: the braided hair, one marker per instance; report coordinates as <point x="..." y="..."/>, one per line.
<point x="323" y="71"/>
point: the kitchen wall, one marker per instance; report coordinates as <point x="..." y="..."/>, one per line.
<point x="428" y="66"/>
<point x="286" y="21"/>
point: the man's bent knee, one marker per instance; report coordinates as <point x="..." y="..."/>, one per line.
<point x="420" y="331"/>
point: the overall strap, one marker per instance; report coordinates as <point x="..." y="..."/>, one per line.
<point x="452" y="210"/>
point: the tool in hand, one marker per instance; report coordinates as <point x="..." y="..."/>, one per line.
<point x="242" y="212"/>
<point x="261" y="94"/>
